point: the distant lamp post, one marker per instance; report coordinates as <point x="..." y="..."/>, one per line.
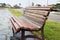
<point x="32" y="4"/>
<point x="47" y="2"/>
<point x="20" y="4"/>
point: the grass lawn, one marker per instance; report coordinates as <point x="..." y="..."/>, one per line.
<point x="15" y="13"/>
<point x="51" y="30"/>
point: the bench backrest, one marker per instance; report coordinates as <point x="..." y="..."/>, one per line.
<point x="37" y="15"/>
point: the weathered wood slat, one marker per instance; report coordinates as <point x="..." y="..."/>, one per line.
<point x="39" y="12"/>
<point x="16" y="21"/>
<point x="38" y="8"/>
<point x="39" y="21"/>
<point x="25" y="24"/>
<point x="35" y="16"/>
<point x="29" y="25"/>
<point x="15" y="26"/>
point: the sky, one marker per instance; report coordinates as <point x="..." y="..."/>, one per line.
<point x="25" y="3"/>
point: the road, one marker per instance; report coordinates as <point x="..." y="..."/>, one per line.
<point x="54" y="16"/>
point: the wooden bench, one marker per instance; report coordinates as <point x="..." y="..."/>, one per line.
<point x="33" y="19"/>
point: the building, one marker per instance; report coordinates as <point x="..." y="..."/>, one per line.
<point x="58" y="5"/>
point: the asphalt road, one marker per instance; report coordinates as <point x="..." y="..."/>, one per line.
<point x="54" y="16"/>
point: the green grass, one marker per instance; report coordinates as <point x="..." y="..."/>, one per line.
<point x="51" y="30"/>
<point x="15" y="13"/>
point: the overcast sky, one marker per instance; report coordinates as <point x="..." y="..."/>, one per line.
<point x="28" y="2"/>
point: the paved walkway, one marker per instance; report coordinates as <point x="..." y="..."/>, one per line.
<point x="5" y="25"/>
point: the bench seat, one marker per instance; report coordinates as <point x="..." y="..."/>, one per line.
<point x="24" y="23"/>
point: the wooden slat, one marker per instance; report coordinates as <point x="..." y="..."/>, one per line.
<point x="39" y="12"/>
<point x="15" y="26"/>
<point x="36" y="14"/>
<point x="34" y="22"/>
<point x="16" y="21"/>
<point x="37" y="17"/>
<point x="28" y="24"/>
<point x="39" y="8"/>
<point x="39" y="21"/>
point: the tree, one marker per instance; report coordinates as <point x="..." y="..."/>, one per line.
<point x="32" y="4"/>
<point x="20" y="4"/>
<point x="8" y="5"/>
<point x="3" y="5"/>
<point x="16" y="6"/>
<point x="38" y="5"/>
<point x="58" y="5"/>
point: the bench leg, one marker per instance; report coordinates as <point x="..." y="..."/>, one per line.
<point x="22" y="35"/>
<point x="42" y="34"/>
<point x="14" y="35"/>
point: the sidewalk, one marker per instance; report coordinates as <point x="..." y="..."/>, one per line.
<point x="5" y="25"/>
